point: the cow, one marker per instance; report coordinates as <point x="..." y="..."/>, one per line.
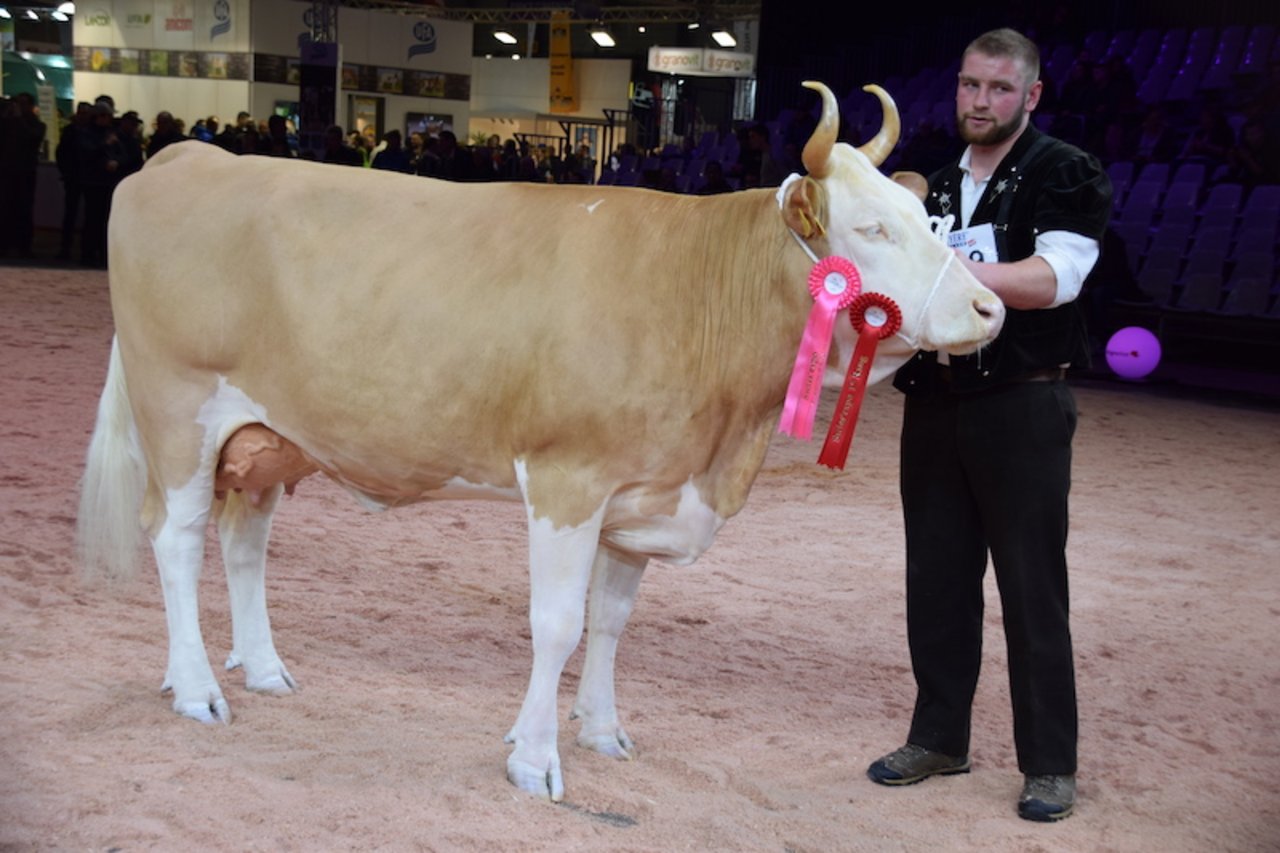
<point x="614" y="358"/>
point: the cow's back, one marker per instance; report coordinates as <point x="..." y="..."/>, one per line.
<point x="476" y="322"/>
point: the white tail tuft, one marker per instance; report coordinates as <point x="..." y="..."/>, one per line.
<point x="108" y="530"/>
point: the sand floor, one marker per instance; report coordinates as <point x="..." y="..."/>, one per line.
<point x="757" y="683"/>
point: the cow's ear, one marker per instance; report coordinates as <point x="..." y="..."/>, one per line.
<point x="913" y="181"/>
<point x="804" y="208"/>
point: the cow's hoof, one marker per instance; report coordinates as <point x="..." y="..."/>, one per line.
<point x="214" y="709"/>
<point x="613" y="742"/>
<point x="273" y="680"/>
<point x="546" y="782"/>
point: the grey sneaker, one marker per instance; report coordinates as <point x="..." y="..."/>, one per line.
<point x="911" y="763"/>
<point x="1047" y="798"/>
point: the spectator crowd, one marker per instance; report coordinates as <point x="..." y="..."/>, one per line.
<point x="1094" y="105"/>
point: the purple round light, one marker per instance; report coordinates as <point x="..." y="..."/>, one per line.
<point x="1133" y="352"/>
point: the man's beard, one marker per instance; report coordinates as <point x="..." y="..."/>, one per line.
<point x="995" y="132"/>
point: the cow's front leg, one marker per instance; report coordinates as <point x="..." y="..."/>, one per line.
<point x="615" y="579"/>
<point x="179" y="550"/>
<point x="559" y="572"/>
<point x="243" y="529"/>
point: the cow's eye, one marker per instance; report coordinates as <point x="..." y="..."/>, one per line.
<point x="874" y="232"/>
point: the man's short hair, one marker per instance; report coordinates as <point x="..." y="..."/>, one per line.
<point x="1011" y="44"/>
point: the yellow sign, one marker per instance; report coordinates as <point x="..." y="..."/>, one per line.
<point x="564" y="88"/>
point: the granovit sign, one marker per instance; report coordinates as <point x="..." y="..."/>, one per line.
<point x="701" y="62"/>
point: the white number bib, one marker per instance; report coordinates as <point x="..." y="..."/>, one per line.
<point x="978" y="242"/>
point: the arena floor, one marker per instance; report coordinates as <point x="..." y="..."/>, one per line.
<point x="757" y="683"/>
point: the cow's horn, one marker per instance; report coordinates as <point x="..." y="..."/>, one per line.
<point x="877" y="150"/>
<point x="817" y="151"/>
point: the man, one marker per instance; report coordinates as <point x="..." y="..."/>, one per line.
<point x="68" y="159"/>
<point x="336" y="149"/>
<point x="166" y="133"/>
<point x="986" y="439"/>
<point x="100" y="157"/>
<point x="21" y="135"/>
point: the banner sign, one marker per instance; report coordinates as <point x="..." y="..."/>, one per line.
<point x="701" y="62"/>
<point x="564" y="89"/>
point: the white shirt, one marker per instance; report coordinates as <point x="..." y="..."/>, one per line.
<point x="1070" y="255"/>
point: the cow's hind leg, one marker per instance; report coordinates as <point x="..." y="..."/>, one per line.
<point x="615" y="579"/>
<point x="244" y="525"/>
<point x="559" y="573"/>
<point x="179" y="550"/>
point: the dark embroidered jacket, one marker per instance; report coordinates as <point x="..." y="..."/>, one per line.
<point x="1043" y="184"/>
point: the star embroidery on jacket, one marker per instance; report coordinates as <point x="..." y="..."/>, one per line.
<point x="1002" y="186"/>
<point x="944" y="201"/>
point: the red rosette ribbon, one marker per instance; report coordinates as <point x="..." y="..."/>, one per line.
<point x="874" y="317"/>
<point x="834" y="283"/>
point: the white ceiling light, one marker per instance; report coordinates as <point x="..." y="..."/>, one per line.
<point x="31" y="13"/>
<point x="59" y="15"/>
<point x="67" y="8"/>
<point x="601" y="37"/>
<point x="694" y="25"/>
<point x="4" y="13"/>
<point x="724" y="38"/>
<point x="504" y="37"/>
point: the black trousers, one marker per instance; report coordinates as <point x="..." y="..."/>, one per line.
<point x="983" y="473"/>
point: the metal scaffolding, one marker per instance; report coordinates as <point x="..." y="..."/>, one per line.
<point x="323" y="20"/>
<point x="677" y="13"/>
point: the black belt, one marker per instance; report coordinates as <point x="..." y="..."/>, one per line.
<point x="1048" y="374"/>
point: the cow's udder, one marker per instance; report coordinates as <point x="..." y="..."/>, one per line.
<point x="255" y="459"/>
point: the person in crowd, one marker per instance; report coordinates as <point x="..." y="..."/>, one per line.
<point x="1255" y="158"/>
<point x="336" y="149"/>
<point x="415" y="149"/>
<point x="212" y="127"/>
<point x="986" y="438"/>
<point x="21" y="135"/>
<point x="447" y="161"/>
<point x="358" y="143"/>
<point x="276" y="142"/>
<point x="67" y="156"/>
<point x="393" y="157"/>
<point x="229" y="137"/>
<point x="715" y="182"/>
<point x="755" y="161"/>
<point x="249" y="140"/>
<point x="586" y="164"/>
<point x="1157" y="139"/>
<point x="166" y="132"/>
<point x="100" y="157"/>
<point x="1210" y="139"/>
<point x="129" y="132"/>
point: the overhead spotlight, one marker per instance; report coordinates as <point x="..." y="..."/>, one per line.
<point x="602" y="37"/>
<point x="516" y="57"/>
<point x="694" y="25"/>
<point x="504" y="37"/>
<point x="67" y="8"/>
<point x="724" y="38"/>
<point x="4" y="13"/>
<point x="31" y="15"/>
<point x="642" y="29"/>
<point x="59" y="15"/>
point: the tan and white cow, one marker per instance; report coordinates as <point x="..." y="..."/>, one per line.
<point x="615" y="358"/>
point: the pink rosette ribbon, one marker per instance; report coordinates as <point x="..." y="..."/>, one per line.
<point x="834" y="283"/>
<point x="874" y="317"/>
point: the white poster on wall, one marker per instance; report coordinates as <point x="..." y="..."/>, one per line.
<point x="136" y="20"/>
<point x="175" y="24"/>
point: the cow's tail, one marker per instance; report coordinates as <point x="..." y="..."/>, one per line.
<point x="108" y="529"/>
